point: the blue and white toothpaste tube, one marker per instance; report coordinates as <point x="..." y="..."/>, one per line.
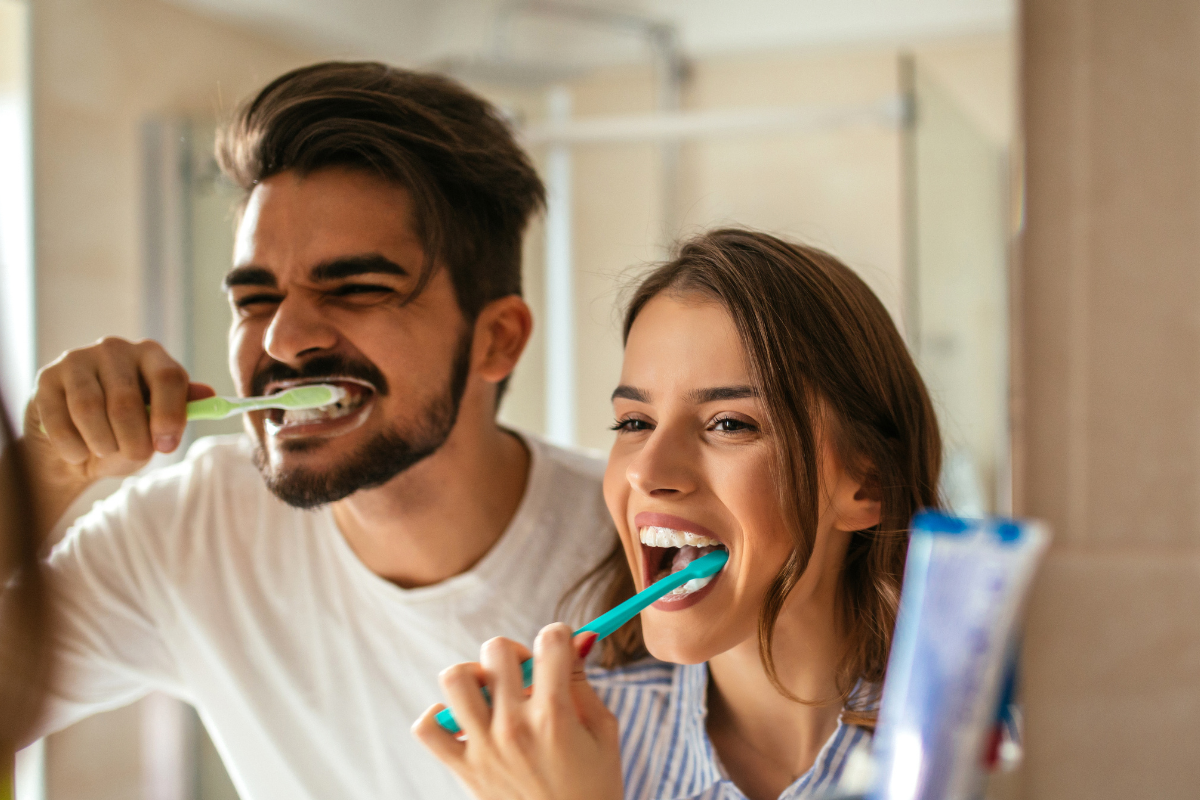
<point x="964" y="586"/>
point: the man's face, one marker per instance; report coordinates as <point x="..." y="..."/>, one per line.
<point x="322" y="267"/>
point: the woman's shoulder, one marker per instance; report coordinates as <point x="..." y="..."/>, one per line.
<point x="640" y="693"/>
<point x="646" y="674"/>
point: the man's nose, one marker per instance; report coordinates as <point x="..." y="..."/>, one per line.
<point x="297" y="330"/>
<point x="665" y="467"/>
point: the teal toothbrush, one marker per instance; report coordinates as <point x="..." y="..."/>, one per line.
<point x="607" y="623"/>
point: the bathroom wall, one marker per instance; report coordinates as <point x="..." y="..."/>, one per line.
<point x="1106" y="381"/>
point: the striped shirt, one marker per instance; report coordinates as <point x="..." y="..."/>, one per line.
<point x="665" y="750"/>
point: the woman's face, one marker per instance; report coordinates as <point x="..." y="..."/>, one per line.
<point x="691" y="469"/>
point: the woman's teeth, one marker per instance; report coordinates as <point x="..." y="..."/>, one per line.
<point x="687" y="548"/>
<point x="667" y="537"/>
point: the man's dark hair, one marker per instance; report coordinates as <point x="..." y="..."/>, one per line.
<point x="473" y="188"/>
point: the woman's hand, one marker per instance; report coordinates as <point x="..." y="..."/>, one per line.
<point x="554" y="742"/>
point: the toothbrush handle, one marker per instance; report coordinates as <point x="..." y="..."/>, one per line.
<point x="212" y="408"/>
<point x="604" y="625"/>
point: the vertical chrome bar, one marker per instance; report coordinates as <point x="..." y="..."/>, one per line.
<point x="560" y="288"/>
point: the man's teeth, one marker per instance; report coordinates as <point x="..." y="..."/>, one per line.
<point x="654" y="536"/>
<point x="341" y="408"/>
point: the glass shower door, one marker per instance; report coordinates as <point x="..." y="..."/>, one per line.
<point x="957" y="305"/>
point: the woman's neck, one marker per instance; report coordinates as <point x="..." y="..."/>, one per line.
<point x="766" y="741"/>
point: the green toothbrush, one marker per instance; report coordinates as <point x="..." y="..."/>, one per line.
<point x="296" y="399"/>
<point x="301" y="397"/>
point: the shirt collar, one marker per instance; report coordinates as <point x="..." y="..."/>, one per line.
<point x="691" y="766"/>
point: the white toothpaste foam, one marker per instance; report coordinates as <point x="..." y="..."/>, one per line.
<point x="694" y="585"/>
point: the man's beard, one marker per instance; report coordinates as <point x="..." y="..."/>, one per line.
<point x="380" y="459"/>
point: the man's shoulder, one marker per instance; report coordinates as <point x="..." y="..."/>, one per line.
<point x="226" y="461"/>
<point x="585" y="465"/>
<point x="226" y="449"/>
<point x="566" y="489"/>
<point x="216" y="471"/>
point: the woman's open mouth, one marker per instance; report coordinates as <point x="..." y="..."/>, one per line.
<point x="666" y="551"/>
<point x="332" y="420"/>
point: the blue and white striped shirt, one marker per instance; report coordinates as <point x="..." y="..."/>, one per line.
<point x="665" y="750"/>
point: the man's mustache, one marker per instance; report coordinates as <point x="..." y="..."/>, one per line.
<point x="318" y="368"/>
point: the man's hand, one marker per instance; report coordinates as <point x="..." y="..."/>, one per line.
<point x="88" y="418"/>
<point x="555" y="742"/>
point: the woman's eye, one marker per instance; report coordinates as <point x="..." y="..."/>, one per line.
<point x="630" y="425"/>
<point x="732" y="425"/>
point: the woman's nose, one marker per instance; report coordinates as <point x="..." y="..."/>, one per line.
<point x="297" y="330"/>
<point x="664" y="467"/>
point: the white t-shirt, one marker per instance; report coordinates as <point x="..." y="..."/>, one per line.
<point x="306" y="667"/>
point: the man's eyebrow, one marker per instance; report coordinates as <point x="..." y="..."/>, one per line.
<point x="349" y="266"/>
<point x="249" y="276"/>
<point x="700" y="396"/>
<point x="630" y="393"/>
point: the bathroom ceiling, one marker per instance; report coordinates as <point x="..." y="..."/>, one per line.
<point x="422" y="32"/>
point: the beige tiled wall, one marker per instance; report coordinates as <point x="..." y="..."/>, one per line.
<point x="100" y="68"/>
<point x="1107" y="303"/>
<point x="837" y="189"/>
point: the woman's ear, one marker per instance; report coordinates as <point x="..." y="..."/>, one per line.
<point x="501" y="333"/>
<point x="860" y="502"/>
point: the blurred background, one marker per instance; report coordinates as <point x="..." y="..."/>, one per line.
<point x="879" y="130"/>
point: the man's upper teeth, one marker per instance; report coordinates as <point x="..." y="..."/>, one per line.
<point x="655" y="536"/>
<point x="341" y="408"/>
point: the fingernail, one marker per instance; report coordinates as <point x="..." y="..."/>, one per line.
<point x="165" y="443"/>
<point x="588" y="644"/>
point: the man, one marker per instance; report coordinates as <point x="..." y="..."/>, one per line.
<point x="306" y="613"/>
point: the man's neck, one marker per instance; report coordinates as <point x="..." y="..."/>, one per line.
<point x="438" y="518"/>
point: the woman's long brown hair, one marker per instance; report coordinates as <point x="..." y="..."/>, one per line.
<point x="818" y="342"/>
<point x="24" y="640"/>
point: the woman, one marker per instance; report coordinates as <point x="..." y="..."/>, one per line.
<point x="767" y="406"/>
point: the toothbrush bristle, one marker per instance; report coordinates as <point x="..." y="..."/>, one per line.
<point x="315" y="396"/>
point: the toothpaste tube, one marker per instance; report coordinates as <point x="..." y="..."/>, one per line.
<point x="964" y="584"/>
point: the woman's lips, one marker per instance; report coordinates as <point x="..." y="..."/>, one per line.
<point x="652" y="557"/>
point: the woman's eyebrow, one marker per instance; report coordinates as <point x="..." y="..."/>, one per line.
<point x="630" y="393"/>
<point x="701" y="396"/>
<point x="697" y="396"/>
